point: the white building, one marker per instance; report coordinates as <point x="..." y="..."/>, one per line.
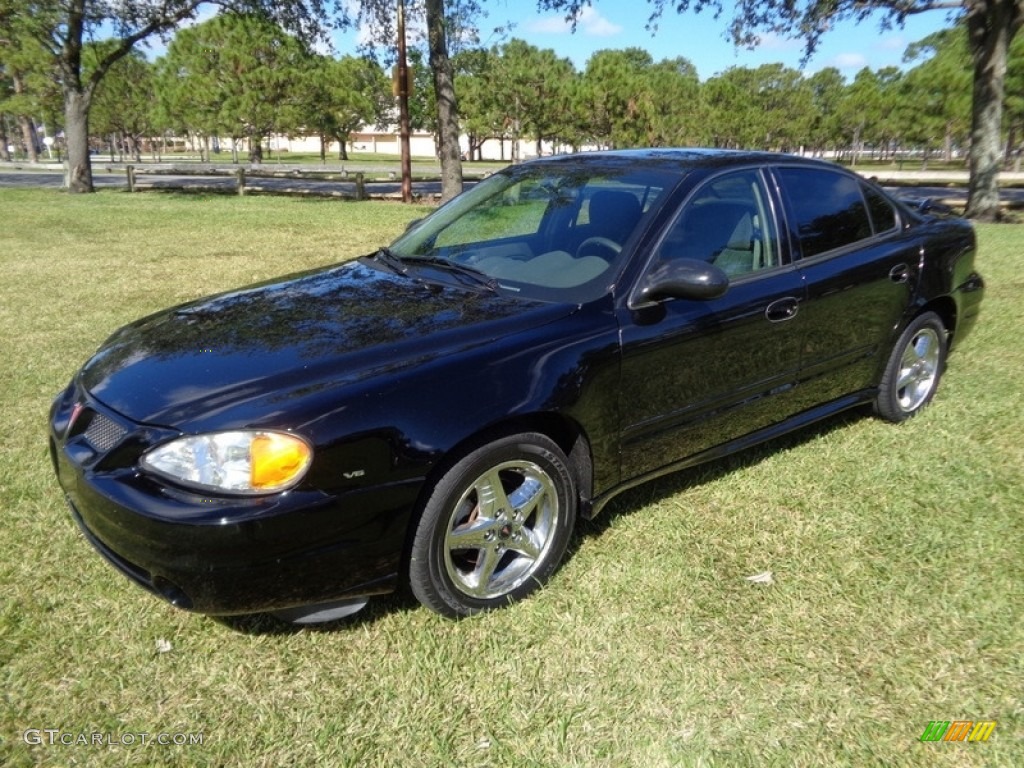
<point x="421" y="144"/>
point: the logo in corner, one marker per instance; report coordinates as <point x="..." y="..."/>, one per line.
<point x="958" y="730"/>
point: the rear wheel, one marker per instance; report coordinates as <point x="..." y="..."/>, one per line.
<point x="914" y="369"/>
<point x="494" y="528"/>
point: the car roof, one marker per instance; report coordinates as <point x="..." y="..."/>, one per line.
<point x="682" y="158"/>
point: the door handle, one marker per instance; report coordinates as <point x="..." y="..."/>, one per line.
<point x="900" y="273"/>
<point x="782" y="309"/>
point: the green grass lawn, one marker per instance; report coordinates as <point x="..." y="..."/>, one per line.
<point x="896" y="557"/>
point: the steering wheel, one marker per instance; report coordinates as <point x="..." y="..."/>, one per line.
<point x="597" y="245"/>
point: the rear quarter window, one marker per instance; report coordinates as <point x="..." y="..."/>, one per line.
<point x="883" y="215"/>
<point x="827" y="209"/>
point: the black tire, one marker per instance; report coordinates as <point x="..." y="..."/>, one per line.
<point x="914" y="369"/>
<point x="477" y="548"/>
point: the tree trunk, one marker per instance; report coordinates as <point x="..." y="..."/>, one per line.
<point x="28" y="137"/>
<point x="447" y="111"/>
<point x="991" y="26"/>
<point x="4" y="154"/>
<point x="28" y="129"/>
<point x="78" y="171"/>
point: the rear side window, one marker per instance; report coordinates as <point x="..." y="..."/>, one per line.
<point x="827" y="208"/>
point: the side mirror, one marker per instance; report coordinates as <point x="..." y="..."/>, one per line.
<point x="683" y="279"/>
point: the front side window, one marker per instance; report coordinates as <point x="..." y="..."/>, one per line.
<point x="827" y="209"/>
<point x="728" y="223"/>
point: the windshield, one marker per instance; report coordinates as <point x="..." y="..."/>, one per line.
<point x="549" y="231"/>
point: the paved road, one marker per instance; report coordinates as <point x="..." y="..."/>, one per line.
<point x="1013" y="195"/>
<point x="51" y="177"/>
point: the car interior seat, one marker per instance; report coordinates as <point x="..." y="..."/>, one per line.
<point x="613" y="214"/>
<point x="722" y="232"/>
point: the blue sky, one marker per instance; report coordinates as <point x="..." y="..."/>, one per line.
<point x="698" y="37"/>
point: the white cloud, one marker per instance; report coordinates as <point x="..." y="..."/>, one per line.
<point x="892" y="43"/>
<point x="594" y="24"/>
<point x="590" y="23"/>
<point x="849" y="61"/>
<point x="770" y="41"/>
<point x="549" y="25"/>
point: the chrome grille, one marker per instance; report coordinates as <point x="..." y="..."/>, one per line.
<point x="102" y="433"/>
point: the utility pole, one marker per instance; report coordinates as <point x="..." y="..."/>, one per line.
<point x="403" y="106"/>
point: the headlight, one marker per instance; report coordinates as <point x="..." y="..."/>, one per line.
<point x="245" y="461"/>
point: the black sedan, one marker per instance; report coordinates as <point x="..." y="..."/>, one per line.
<point x="438" y="414"/>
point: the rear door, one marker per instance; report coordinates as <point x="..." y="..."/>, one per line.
<point x="860" y="266"/>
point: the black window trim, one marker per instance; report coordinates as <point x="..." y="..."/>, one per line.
<point x="793" y="238"/>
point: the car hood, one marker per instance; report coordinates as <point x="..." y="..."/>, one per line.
<point x="269" y="343"/>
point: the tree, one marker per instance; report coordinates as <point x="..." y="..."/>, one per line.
<point x="378" y="17"/>
<point x="536" y="85"/>
<point x="763" y="108"/>
<point x="480" y="97"/>
<point x="444" y="91"/>
<point x="675" y="108"/>
<point x="27" y="88"/>
<point x="340" y="96"/>
<point x="889" y="127"/>
<point x="240" y="75"/>
<point x="633" y="102"/>
<point x="783" y="98"/>
<point x="1015" y="104"/>
<point x="861" y="110"/>
<point x="123" y="104"/>
<point x="827" y="90"/>
<point x="188" y="94"/>
<point x="936" y="93"/>
<point x="991" y="28"/>
<point x="64" y="26"/>
<point x="609" y="89"/>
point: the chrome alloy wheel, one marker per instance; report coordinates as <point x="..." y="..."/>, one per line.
<point x="501" y="529"/>
<point x="919" y="369"/>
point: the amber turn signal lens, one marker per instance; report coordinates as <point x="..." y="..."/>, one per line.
<point x="277" y="460"/>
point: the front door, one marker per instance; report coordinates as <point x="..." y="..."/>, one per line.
<point x="696" y="374"/>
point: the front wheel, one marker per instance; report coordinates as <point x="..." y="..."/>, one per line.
<point x="914" y="369"/>
<point x="495" y="526"/>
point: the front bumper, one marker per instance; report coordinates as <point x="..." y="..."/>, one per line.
<point x="223" y="555"/>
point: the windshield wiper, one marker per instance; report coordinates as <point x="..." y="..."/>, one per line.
<point x="390" y="259"/>
<point x="476" y="276"/>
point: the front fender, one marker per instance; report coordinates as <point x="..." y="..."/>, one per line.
<point x="400" y="427"/>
